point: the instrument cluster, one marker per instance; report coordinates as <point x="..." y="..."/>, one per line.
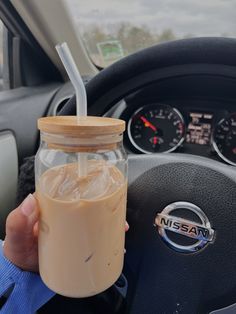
<point x="158" y="128"/>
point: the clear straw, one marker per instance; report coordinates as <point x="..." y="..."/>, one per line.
<point x="81" y="96"/>
<point x="75" y="77"/>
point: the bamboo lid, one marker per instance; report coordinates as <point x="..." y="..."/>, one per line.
<point x="81" y="126"/>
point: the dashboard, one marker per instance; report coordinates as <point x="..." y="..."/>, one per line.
<point x="191" y="115"/>
<point x="204" y="126"/>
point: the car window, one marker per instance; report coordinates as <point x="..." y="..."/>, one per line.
<point x="112" y="29"/>
<point x="1" y="55"/>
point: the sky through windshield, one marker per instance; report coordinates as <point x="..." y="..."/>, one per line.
<point x="112" y="29"/>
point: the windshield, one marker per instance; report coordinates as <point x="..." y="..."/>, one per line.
<point x="112" y="29"/>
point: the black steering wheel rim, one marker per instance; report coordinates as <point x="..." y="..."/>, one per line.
<point x="195" y="56"/>
<point x="210" y="56"/>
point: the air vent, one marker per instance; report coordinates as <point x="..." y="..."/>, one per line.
<point x="60" y="104"/>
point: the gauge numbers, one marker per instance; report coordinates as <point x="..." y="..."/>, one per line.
<point x="156" y="128"/>
<point x="224" y="139"/>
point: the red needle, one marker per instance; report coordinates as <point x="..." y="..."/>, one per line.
<point x="148" y="124"/>
<point x="155" y="140"/>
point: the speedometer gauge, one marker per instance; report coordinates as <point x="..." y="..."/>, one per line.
<point x="224" y="139"/>
<point x="156" y="128"/>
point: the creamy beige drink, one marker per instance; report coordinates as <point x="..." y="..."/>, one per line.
<point x="82" y="228"/>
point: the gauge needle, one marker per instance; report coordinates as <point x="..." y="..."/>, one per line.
<point x="148" y="124"/>
<point x="155" y="140"/>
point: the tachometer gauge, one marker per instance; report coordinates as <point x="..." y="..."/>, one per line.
<point x="224" y="139"/>
<point x="156" y="128"/>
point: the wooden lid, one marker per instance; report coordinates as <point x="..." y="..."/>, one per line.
<point x="81" y="126"/>
<point x="85" y="149"/>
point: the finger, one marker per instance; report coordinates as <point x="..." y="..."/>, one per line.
<point x="20" y="224"/>
<point x="36" y="229"/>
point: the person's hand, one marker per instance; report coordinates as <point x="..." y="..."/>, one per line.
<point x="21" y="241"/>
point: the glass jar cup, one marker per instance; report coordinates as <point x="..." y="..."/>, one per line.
<point x="81" y="188"/>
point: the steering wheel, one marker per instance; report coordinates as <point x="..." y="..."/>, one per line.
<point x="170" y="267"/>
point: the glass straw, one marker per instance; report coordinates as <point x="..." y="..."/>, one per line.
<point x="81" y="97"/>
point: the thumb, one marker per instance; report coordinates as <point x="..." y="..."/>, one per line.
<point x="20" y="228"/>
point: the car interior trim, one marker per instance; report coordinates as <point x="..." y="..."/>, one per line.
<point x="50" y="34"/>
<point x="9" y="172"/>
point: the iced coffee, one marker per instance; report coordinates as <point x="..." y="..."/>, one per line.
<point x="82" y="218"/>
